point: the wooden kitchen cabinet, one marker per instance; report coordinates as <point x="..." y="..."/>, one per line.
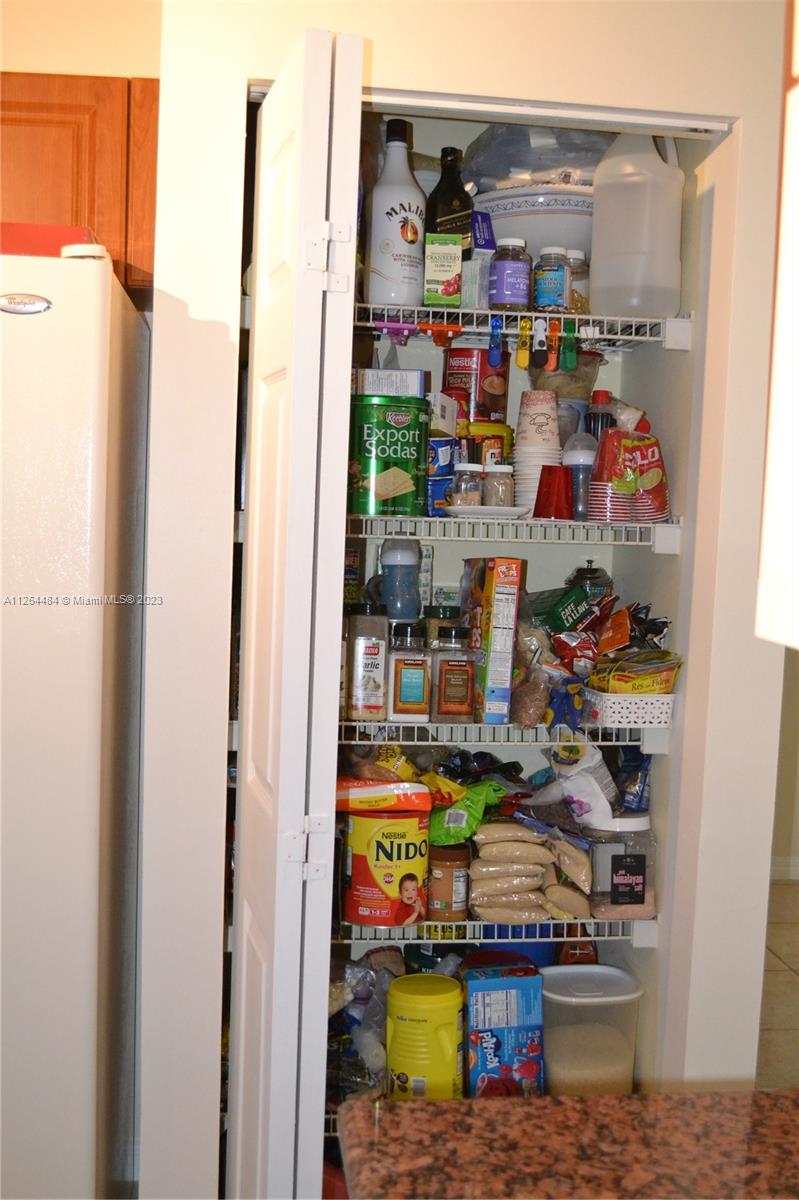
<point x="81" y="150"/>
<point x="142" y="158"/>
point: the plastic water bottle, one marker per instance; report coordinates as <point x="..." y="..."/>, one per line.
<point x="635" y="238"/>
<point x="399" y="564"/>
<point x="578" y="455"/>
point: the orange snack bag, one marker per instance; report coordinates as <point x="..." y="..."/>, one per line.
<point x="615" y="633"/>
<point x="380" y="796"/>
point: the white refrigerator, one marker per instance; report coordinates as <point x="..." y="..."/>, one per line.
<point x="75" y="363"/>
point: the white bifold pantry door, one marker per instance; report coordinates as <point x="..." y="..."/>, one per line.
<point x="297" y="427"/>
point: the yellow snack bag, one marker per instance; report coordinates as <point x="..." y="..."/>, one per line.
<point x="393" y="758"/>
<point x="445" y="792"/>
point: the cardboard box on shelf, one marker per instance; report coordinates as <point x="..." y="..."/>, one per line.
<point x="504" y="1031"/>
<point x="490" y="590"/>
<point x="368" y="381"/>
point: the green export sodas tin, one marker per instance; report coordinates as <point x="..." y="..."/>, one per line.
<point x="388" y="456"/>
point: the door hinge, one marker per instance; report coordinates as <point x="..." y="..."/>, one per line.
<point x="298" y="846"/>
<point x="317" y="254"/>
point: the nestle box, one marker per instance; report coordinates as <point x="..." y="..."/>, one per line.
<point x="504" y="1028"/>
<point x="367" y="381"/>
<point x="490" y="601"/>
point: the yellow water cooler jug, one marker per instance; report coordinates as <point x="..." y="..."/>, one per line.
<point x="424" y="1038"/>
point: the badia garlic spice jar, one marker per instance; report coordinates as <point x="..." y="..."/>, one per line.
<point x="367" y="656"/>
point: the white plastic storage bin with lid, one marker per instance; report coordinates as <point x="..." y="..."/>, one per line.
<point x="590" y="1020"/>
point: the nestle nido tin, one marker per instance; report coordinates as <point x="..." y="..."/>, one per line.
<point x="388" y="456"/>
<point x="386" y="868"/>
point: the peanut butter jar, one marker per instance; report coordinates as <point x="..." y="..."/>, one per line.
<point x="448" y="893"/>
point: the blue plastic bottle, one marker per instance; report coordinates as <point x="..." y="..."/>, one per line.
<point x="399" y="565"/>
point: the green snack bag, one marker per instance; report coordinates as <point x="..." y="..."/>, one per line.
<point x="492" y="790"/>
<point x="459" y="822"/>
<point x="559" y="609"/>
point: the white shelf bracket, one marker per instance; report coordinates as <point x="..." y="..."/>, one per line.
<point x="644" y="935"/>
<point x="678" y="333"/>
<point x="666" y="539"/>
<point x="655" y="740"/>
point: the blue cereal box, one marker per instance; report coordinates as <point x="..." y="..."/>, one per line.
<point x="442" y="455"/>
<point x="439" y="495"/>
<point x="505" y="1038"/>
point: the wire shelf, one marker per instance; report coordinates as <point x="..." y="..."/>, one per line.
<point x="350" y="732"/>
<point x="331" y="1124"/>
<point x="488" y="529"/>
<point x="484" y="932"/>
<point x="604" y="331"/>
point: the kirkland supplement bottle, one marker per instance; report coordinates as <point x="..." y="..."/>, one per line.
<point x="408" y="673"/>
<point x="395" y="238"/>
<point x="424" y="1038"/>
<point x="552" y="281"/>
<point x="509" y="277"/>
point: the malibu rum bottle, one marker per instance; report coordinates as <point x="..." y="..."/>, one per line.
<point x="395" y="232"/>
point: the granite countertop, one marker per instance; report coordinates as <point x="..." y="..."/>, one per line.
<point x="709" y="1145"/>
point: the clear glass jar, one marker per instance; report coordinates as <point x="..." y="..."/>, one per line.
<point x="578" y="302"/>
<point x="467" y="486"/>
<point x="595" y="581"/>
<point x="498" y="485"/>
<point x="409" y="663"/>
<point x="509" y="276"/>
<point x="552" y="280"/>
<point x="367" y="656"/>
<point x="623" y="869"/>
<point x="440" y="617"/>
<point x="453" y="678"/>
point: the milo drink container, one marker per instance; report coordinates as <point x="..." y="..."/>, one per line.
<point x="388" y="456"/>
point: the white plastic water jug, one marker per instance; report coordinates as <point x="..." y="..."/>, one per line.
<point x="635" y="242"/>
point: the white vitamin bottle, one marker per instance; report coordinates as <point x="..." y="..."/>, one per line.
<point x="395" y="236"/>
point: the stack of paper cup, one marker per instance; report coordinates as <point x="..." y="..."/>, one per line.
<point x="610" y="492"/>
<point x="537" y="443"/>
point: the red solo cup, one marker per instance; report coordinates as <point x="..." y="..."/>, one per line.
<point x="606" y="505"/>
<point x="609" y="462"/>
<point x="554" y="498"/>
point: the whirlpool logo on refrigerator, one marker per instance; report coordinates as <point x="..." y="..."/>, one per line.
<point x="24" y="304"/>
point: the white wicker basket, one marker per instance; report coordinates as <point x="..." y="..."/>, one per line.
<point x="635" y="712"/>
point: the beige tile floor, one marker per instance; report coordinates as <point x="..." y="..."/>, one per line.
<point x="778" y="1055"/>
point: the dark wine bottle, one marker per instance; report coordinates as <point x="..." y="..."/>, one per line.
<point x="449" y="205"/>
